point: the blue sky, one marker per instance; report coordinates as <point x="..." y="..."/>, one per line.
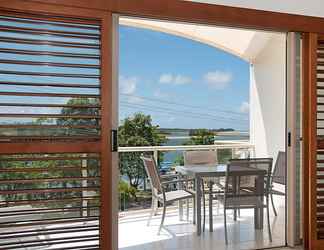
<point x="181" y="83"/>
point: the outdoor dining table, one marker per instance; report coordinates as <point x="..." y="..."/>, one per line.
<point x="198" y="172"/>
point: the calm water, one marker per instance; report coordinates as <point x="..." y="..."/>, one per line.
<point x="180" y="138"/>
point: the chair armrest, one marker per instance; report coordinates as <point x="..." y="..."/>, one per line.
<point x="176" y="181"/>
<point x="169" y="176"/>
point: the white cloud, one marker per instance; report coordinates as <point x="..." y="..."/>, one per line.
<point x="218" y="79"/>
<point x="180" y="79"/>
<point x="245" y="107"/>
<point x="127" y="85"/>
<point x="166" y="78"/>
<point x="175" y="79"/>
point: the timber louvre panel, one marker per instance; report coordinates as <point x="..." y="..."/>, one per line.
<point x="50" y="93"/>
<point x="320" y="137"/>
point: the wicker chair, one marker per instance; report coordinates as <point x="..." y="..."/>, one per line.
<point x="159" y="190"/>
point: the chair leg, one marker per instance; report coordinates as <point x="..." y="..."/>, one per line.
<point x="225" y="227"/>
<point x="194" y="210"/>
<point x="152" y="211"/>
<point x="156" y="207"/>
<point x="273" y="206"/>
<point x="163" y="217"/>
<point x="210" y="206"/>
<point x="204" y="208"/>
<point x="187" y="202"/>
<point x="268" y="218"/>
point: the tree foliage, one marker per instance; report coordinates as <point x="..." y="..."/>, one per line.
<point x="202" y="137"/>
<point x="137" y="130"/>
<point x="198" y="137"/>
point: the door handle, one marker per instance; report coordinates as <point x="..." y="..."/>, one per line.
<point x="114" y="140"/>
<point x="289" y="139"/>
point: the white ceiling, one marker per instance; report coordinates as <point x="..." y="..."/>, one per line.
<point x="245" y="44"/>
<point x="301" y="7"/>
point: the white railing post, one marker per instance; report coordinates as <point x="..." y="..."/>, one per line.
<point x="233" y="153"/>
<point x="156" y="156"/>
<point x="216" y="152"/>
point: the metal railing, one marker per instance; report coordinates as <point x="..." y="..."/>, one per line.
<point x="235" y="146"/>
<point x="238" y="149"/>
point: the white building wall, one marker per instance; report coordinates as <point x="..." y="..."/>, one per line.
<point x="267" y="99"/>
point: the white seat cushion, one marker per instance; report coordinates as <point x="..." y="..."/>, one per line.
<point x="176" y="195"/>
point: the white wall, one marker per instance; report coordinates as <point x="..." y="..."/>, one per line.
<point x="267" y="98"/>
<point x="300" y="7"/>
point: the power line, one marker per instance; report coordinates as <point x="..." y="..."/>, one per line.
<point x="186" y="112"/>
<point x="179" y="114"/>
<point x="184" y="105"/>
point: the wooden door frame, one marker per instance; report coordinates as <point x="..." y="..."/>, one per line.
<point x="172" y="10"/>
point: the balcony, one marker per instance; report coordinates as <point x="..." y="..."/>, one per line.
<point x="134" y="234"/>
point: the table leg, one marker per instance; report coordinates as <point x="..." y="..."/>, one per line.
<point x="180" y="203"/>
<point x="180" y="210"/>
<point x="198" y="204"/>
<point x="258" y="212"/>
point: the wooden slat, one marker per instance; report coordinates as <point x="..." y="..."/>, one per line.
<point x="3" y="93"/>
<point x="10" y="72"/>
<point x="58" y="17"/>
<point x="49" y="158"/>
<point x="40" y="170"/>
<point x="46" y="42"/>
<point x="40" y="243"/>
<point x="46" y="147"/>
<point x="46" y="180"/>
<point x="52" y="222"/>
<point x="49" y="32"/>
<point x="49" y="53"/>
<point x="49" y="138"/>
<point x="47" y="201"/>
<point x="15" y="18"/>
<point x="46" y="126"/>
<point x="50" y="64"/>
<point x="50" y="116"/>
<point x="49" y="190"/>
<point x="62" y="85"/>
<point x="47" y="211"/>
<point x="50" y="105"/>
<point x="59" y="229"/>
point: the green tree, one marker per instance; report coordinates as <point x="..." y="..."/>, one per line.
<point x="201" y="137"/>
<point x="136" y="131"/>
<point x="197" y="137"/>
<point x="79" y="109"/>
